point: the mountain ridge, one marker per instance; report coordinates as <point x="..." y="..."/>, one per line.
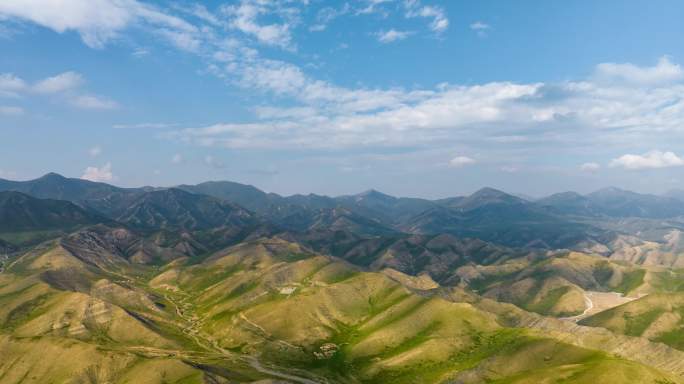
<point x="564" y="220"/>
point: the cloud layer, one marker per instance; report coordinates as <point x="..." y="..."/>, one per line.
<point x="97" y="21"/>
<point x="101" y="174"/>
<point x="64" y="86"/>
<point x="461" y="161"/>
<point x="392" y="35"/>
<point x="586" y="112"/>
<point x="653" y="159"/>
<point x="250" y="44"/>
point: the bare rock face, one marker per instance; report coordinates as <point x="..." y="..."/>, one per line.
<point x="101" y="246"/>
<point x="422" y="282"/>
<point x="326" y="351"/>
<point x="104" y="246"/>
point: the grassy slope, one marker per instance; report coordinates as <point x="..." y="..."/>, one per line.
<point x="554" y="285"/>
<point x="268" y="299"/>
<point x="383" y="333"/>
<point x="659" y="317"/>
<point x="105" y="332"/>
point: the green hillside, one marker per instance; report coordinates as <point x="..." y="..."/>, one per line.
<point x="264" y="309"/>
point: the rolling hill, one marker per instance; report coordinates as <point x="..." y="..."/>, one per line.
<point x="230" y="319"/>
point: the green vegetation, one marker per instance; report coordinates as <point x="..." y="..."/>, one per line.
<point x="27" y="238"/>
<point x="631" y="281"/>
<point x="26" y="311"/>
<point x="673" y="338"/>
<point x="548" y="301"/>
<point x="636" y="324"/>
<point x="659" y="317"/>
<point x="298" y="313"/>
<point x="668" y="281"/>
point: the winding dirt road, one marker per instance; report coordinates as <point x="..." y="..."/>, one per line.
<point x="210" y="344"/>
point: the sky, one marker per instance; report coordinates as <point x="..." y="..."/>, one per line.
<point x="420" y="98"/>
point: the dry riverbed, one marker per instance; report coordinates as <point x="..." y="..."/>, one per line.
<point x="596" y="302"/>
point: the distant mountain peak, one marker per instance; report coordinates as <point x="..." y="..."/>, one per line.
<point x="375" y="194"/>
<point x="50" y="177"/>
<point x="489" y="191"/>
<point x="489" y="195"/>
<point x="611" y="190"/>
<point x="560" y="197"/>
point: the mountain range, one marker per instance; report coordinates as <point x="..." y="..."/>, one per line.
<point x="221" y="282"/>
<point x="557" y="221"/>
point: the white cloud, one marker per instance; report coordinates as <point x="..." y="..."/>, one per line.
<point x="649" y="160"/>
<point x="182" y="40"/>
<point x="620" y="103"/>
<point x="177" y="158"/>
<point x="372" y="6"/>
<point x="244" y="17"/>
<point x="7" y="110"/>
<point x="664" y="72"/>
<point x="11" y="85"/>
<point x="201" y="12"/>
<point x="392" y="35"/>
<point x="326" y="15"/>
<point x="142" y="125"/>
<point x="101" y="174"/>
<point x="93" y="102"/>
<point x="346" y="118"/>
<point x="97" y="21"/>
<point x="323" y="115"/>
<point x="95" y="151"/>
<point x="140" y="52"/>
<point x="213" y="162"/>
<point x="461" y="161"/>
<point x="439" y="23"/>
<point x="480" y="28"/>
<point x="65" y="85"/>
<point x="590" y="167"/>
<point x="14" y="86"/>
<point x="274" y="76"/>
<point x="59" y="83"/>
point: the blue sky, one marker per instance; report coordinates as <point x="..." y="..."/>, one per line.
<point x="412" y="97"/>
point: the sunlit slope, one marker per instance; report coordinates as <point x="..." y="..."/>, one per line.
<point x="272" y="299"/>
<point x="665" y="247"/>
<point x="264" y="309"/>
<point x="63" y="321"/>
<point x="554" y="284"/>
<point x="658" y="317"/>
